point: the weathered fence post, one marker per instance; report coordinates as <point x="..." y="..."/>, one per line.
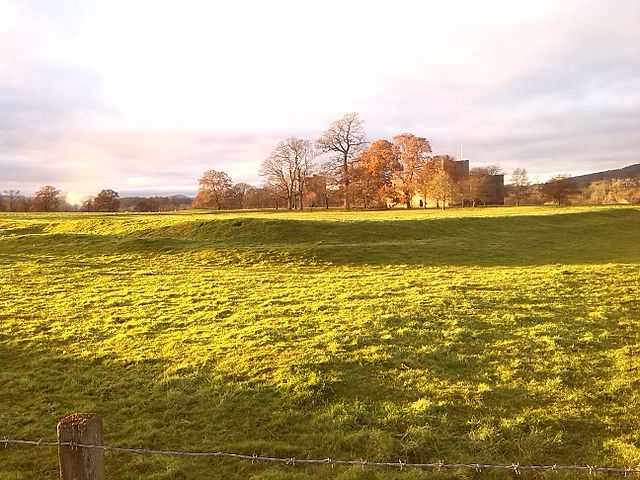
<point x="81" y="463"/>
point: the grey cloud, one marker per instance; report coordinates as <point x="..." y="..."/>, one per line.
<point x="575" y="107"/>
<point x="42" y="105"/>
<point x="173" y="161"/>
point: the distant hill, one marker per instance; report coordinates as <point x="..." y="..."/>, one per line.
<point x="625" y="172"/>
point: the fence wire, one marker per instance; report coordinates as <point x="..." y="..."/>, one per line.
<point x="514" y="467"/>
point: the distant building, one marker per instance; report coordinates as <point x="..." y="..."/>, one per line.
<point x="493" y="191"/>
<point x="460" y="169"/>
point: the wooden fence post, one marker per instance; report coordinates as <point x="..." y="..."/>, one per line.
<point x="81" y="463"/>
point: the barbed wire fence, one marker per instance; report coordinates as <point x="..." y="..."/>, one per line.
<point x="514" y="467"/>
<point x="80" y="452"/>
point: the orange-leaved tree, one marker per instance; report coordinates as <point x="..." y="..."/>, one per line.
<point x="373" y="173"/>
<point x="412" y="154"/>
<point x="213" y="187"/>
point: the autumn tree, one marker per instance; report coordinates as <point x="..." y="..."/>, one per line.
<point x="344" y="139"/>
<point x="238" y="193"/>
<point x="478" y="186"/>
<point x="412" y="154"/>
<point x="212" y="190"/>
<point x="624" y="190"/>
<point x="47" y="199"/>
<point x="106" y="201"/>
<point x="519" y="184"/>
<point x="596" y="192"/>
<point x="559" y="188"/>
<point x="472" y="188"/>
<point x="264" y="196"/>
<point x="373" y="172"/>
<point x="441" y="187"/>
<point x="288" y="167"/>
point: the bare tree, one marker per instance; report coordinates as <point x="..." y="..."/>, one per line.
<point x="264" y="196"/>
<point x="280" y="177"/>
<point x="13" y="200"/>
<point x="305" y="154"/>
<point x="238" y="194"/>
<point x="318" y="189"/>
<point x="492" y="169"/>
<point x="412" y="154"/>
<point x="288" y="167"/>
<point x="213" y="188"/>
<point x="106" y="201"/>
<point x="559" y="188"/>
<point x="519" y="184"/>
<point x="345" y="138"/>
<point x="473" y="188"/>
<point x="47" y="199"/>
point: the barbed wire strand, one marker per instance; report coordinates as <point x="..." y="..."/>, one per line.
<point x="515" y="467"/>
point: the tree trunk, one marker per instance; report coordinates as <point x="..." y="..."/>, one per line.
<point x="345" y="166"/>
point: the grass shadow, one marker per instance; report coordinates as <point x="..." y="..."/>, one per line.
<point x="576" y="238"/>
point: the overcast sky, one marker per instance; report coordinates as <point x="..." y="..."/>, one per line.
<point x="143" y="96"/>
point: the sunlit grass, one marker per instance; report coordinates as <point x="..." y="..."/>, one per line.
<point x="492" y="335"/>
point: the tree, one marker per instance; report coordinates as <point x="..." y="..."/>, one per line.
<point x="345" y="138"/>
<point x="473" y="188"/>
<point x="559" y="188"/>
<point x="519" y="184"/>
<point x="146" y="205"/>
<point x="412" y="154"/>
<point x="262" y="197"/>
<point x="319" y="188"/>
<point x="441" y="187"/>
<point x="238" y="193"/>
<point x="623" y="190"/>
<point x="15" y="201"/>
<point x="213" y="188"/>
<point x="47" y="199"/>
<point x="87" y="205"/>
<point x="106" y="201"/>
<point x="493" y="169"/>
<point x="373" y="172"/>
<point x="288" y="167"/>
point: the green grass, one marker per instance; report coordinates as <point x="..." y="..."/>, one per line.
<point x="493" y="335"/>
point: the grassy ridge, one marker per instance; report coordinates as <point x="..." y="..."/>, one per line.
<point x="497" y="335"/>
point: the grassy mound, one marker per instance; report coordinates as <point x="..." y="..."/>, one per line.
<point x="494" y="335"/>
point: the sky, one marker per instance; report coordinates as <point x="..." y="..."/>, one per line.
<point x="142" y="96"/>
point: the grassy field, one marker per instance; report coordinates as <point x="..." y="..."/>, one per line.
<point x="493" y="335"/>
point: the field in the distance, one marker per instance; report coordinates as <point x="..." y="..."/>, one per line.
<point x="494" y="335"/>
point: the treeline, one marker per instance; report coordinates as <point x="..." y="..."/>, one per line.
<point x="562" y="189"/>
<point x="355" y="173"/>
<point x="49" y="199"/>
<point x="385" y="173"/>
<point x="342" y="168"/>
